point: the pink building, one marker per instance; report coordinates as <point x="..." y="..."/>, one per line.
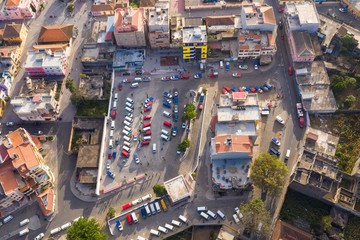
<point x="301" y="47"/>
<point x="19" y="9"/>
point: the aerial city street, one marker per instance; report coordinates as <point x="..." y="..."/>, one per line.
<point x="179" y="119"/>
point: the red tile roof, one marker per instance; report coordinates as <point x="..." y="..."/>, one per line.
<point x="12" y="3"/>
<point x="46" y="201"/>
<point x="36" y="141"/>
<point x="239" y="95"/>
<point x="12" y="30"/>
<point x="219" y="20"/>
<point x="25" y="158"/>
<point x="238" y="144"/>
<point x="7" y="178"/>
<point x="16" y="137"/>
<point x="56" y="33"/>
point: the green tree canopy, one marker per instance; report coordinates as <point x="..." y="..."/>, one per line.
<point x="159" y="190"/>
<point x="349" y="42"/>
<point x="268" y="173"/>
<point x="86" y="229"/>
<point x="184" y="145"/>
<point x="111" y="212"/>
<point x="190" y="112"/>
<point x="326" y="223"/>
<point x="255" y="213"/>
<point x="349" y="101"/>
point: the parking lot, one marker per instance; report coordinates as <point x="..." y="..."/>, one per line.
<point x="124" y="168"/>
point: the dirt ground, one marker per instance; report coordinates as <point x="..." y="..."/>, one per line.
<point x="203" y="233"/>
<point x="169" y="61"/>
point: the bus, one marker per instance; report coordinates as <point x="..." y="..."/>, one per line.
<point x="163" y="205"/>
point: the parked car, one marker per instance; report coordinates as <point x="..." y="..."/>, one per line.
<point x="343" y="10"/>
<point x="117" y="141"/>
<point x="291" y="71"/>
<point x="147" y="109"/>
<point x="118" y="224"/>
<point x="174" y="131"/>
<point x="227" y="65"/>
<point x="214" y="74"/>
<point x="274" y="140"/>
<point x="280" y="120"/>
<point x="184" y="125"/>
<point x="109" y="153"/>
<point x="136" y="157"/>
<point x="125" y="153"/>
<point x="236" y="74"/>
<point x="176" y="77"/>
<point x="147" y="133"/>
<point x="280" y="24"/>
<point x="110" y="174"/>
<point x="269" y="86"/>
<point x="168" y="95"/>
<point x="169" y="101"/>
<point x="243" y="67"/>
<point x="143" y="143"/>
<point x="127" y="80"/>
<point x="108" y="162"/>
<point x="113" y="114"/>
<point x="40" y="236"/>
<point x="227" y="88"/>
<point x="120" y="86"/>
<point x="184" y="76"/>
<point x="282" y="36"/>
<point x="150" y="99"/>
<point x="9" y="124"/>
<point x="167" y="78"/>
<point x="147" y="117"/>
<point x="176" y="93"/>
<point x="166" y="104"/>
<point x="167" y="124"/>
<point x="281" y="10"/>
<point x="199" y="75"/>
<point x="38" y="132"/>
<point x="256" y="66"/>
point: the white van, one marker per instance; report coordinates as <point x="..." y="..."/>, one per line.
<point x="127" y="139"/>
<point x="113" y="125"/>
<point x="129" y="100"/>
<point x="134" y="218"/>
<point x="111" y="134"/>
<point x="220" y="214"/>
<point x="237" y="220"/>
<point x="176" y="223"/>
<point x="147" y="138"/>
<point x="152" y="208"/>
<point x="154" y="232"/>
<point x="167" y="114"/>
<point x="184" y="219"/>
<point x="147" y="197"/>
<point x="128" y="129"/>
<point x="146" y="129"/>
<point x="137" y="79"/>
<point x="200" y="91"/>
<point x="66" y="226"/>
<point x="126" y="133"/>
<point x="211" y="214"/>
<point x="171" y="227"/>
<point x="221" y="64"/>
<point x="164" y="132"/>
<point x="110" y="143"/>
<point x="24" y="222"/>
<point x="162" y="229"/>
<point x="157" y="206"/>
<point x="55" y="231"/>
<point x="115" y="105"/>
<point x="127" y="144"/>
<point x="126" y="149"/>
<point x="129" y="119"/>
<point x="129" y="109"/>
<point x="115" y="97"/>
<point x="204" y="215"/>
<point x="154" y="148"/>
<point x="128" y="104"/>
<point x="287" y="155"/>
<point x="202" y="209"/>
<point x="8" y="219"/>
<point x="164" y="137"/>
<point x="141" y="238"/>
<point x="129" y="124"/>
<point x="147" y="209"/>
<point x="23" y="232"/>
<point x="134" y="85"/>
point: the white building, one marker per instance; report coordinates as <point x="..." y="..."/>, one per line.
<point x="301" y="17"/>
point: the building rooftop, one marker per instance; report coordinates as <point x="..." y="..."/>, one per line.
<point x="239" y="99"/>
<point x="177" y="188"/>
<point x="329" y="28"/>
<point x="257" y="15"/>
<point x="194" y="34"/>
<point x="286" y="231"/>
<point x="255" y="40"/>
<point x="246" y="113"/>
<point x="16" y="138"/>
<point x="321" y="141"/>
<point x="46" y="201"/>
<point x="56" y="34"/>
<point x="96" y="31"/>
<point x="88" y="156"/>
<point x="147" y="3"/>
<point x="158" y="19"/>
<point x="25" y="159"/>
<point x="355" y="4"/>
<point x="124" y="57"/>
<point x="303" y="44"/>
<point x="232" y="143"/>
<point x="103" y="5"/>
<point x="44" y="59"/>
<point x="129" y="19"/>
<point x="301" y="14"/>
<point x="7" y="178"/>
<point x="29" y="104"/>
<point x="236" y="128"/>
<point x="226" y="233"/>
<point x="12" y="30"/>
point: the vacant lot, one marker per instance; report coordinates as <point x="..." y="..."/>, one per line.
<point x="352" y="230"/>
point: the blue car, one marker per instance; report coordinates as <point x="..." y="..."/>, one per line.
<point x="110" y="174"/>
<point x="166" y="104"/>
<point x="269" y="86"/>
<point x="118" y="224"/>
<point x="174" y="131"/>
<point x="176" y="100"/>
<point x="143" y="213"/>
<point x="114" y="153"/>
<point x="176" y="77"/>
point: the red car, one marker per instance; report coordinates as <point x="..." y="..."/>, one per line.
<point x="128" y="217"/>
<point x="290" y="71"/>
<point x="227" y="88"/>
<point x="145" y="143"/>
<point x="127" y="80"/>
<point x="126" y="206"/>
<point x="109" y="154"/>
<point x="113" y="114"/>
<point x="147" y="109"/>
<point x="120" y="86"/>
<point x="147" y="133"/>
<point x="214" y="74"/>
<point x="147" y="125"/>
<point x="184" y="76"/>
<point x="147" y="117"/>
<point x="167" y="124"/>
<point x="281" y="10"/>
<point x="282" y="36"/>
<point x="125" y="153"/>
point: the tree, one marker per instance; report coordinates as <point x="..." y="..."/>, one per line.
<point x="33" y="8"/>
<point x="254" y="213"/>
<point x="84" y="229"/>
<point x="69" y="84"/>
<point x="268" y="173"/>
<point x="339" y="87"/>
<point x="111" y="212"/>
<point x="70" y="8"/>
<point x="348" y="42"/>
<point x="159" y="190"/>
<point x="326" y="223"/>
<point x="350" y="81"/>
<point x="189" y="112"/>
<point x="349" y="101"/>
<point x="184" y="145"/>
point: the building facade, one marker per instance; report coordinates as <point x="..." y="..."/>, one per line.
<point x="130" y="27"/>
<point x="301" y="17"/>
<point x="17" y="10"/>
<point x="194" y="44"/>
<point x="158" y="21"/>
<point x="254" y="44"/>
<point x="46" y="63"/>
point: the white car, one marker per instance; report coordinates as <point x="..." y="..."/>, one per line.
<point x="169" y="101"/>
<point x="243" y="67"/>
<point x="130" y="115"/>
<point x="237" y="210"/>
<point x="237" y="74"/>
<point x="169" y="96"/>
<point x="280" y="120"/>
<point x="108" y="162"/>
<point x="137" y="160"/>
<point x="184" y="125"/>
<point x="167" y="78"/>
<point x="343" y="10"/>
<point x="40" y="236"/>
<point x="176" y="94"/>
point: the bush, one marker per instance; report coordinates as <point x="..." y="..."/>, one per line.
<point x="111" y="212"/>
<point x="69" y="84"/>
<point x="159" y="190"/>
<point x="349" y="101"/>
<point x="184" y="145"/>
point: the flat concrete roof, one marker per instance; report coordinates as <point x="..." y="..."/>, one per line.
<point x="251" y="100"/>
<point x="228" y="114"/>
<point x="328" y="27"/>
<point x="177" y="188"/>
<point x="236" y="128"/>
<point x="194" y="34"/>
<point x="325" y="143"/>
<point x="123" y="57"/>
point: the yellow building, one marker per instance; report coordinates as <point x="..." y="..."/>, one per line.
<point x="15" y="33"/>
<point x="353" y="6"/>
<point x="194" y="44"/>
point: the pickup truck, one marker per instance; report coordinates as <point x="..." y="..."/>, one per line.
<point x="214" y="74"/>
<point x="199" y="75"/>
<point x="166" y="104"/>
<point x="38" y="132"/>
<point x="166" y="94"/>
<point x="202" y="97"/>
<point x="176" y="77"/>
<point x="300" y="114"/>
